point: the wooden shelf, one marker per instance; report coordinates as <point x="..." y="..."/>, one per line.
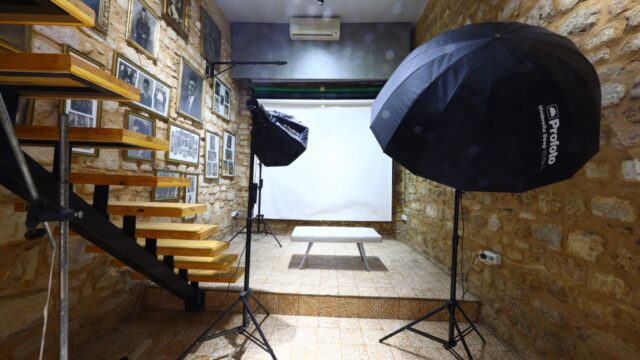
<point x="230" y="276"/>
<point x="61" y="76"/>
<point x="163" y="209"/>
<point x="128" y="180"/>
<point x="198" y="248"/>
<point x="47" y="12"/>
<point x="110" y="138"/>
<point x="219" y="263"/>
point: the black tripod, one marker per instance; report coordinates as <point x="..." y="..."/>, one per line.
<point x="259" y="218"/>
<point x="451" y="305"/>
<point x="248" y="314"/>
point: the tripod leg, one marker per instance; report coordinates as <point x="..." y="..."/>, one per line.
<point x="428" y="315"/>
<point x="452" y="314"/>
<point x="238" y="233"/>
<point x="259" y="303"/>
<point x="470" y="323"/>
<point x="257" y="325"/>
<point x="268" y="231"/>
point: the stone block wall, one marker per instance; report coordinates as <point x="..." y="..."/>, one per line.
<point x="568" y="286"/>
<point x="100" y="295"/>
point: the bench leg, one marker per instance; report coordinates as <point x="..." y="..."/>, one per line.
<point x="304" y="259"/>
<point x="363" y="255"/>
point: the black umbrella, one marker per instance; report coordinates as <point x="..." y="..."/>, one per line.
<point x="501" y="107"/>
<point x="278" y="138"/>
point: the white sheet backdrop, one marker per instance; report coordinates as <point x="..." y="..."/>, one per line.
<point x="343" y="175"/>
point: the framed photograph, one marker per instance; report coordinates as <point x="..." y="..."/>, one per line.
<point x="191" y="193"/>
<point x="211" y="37"/>
<point x="190" y="92"/>
<point x="155" y="93"/>
<point x="83" y="113"/>
<point x="222" y="99"/>
<point x="176" y="13"/>
<point x="184" y="145"/>
<point x="211" y="156"/>
<point x="15" y="38"/>
<point x="143" y="125"/>
<point x="166" y="193"/>
<point x="229" y="159"/>
<point x="142" y="28"/>
<point x="101" y="8"/>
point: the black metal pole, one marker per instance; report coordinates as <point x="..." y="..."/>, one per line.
<point x="250" y="203"/>
<point x="454" y="262"/>
<point x="259" y="215"/>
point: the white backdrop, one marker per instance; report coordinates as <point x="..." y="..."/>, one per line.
<point x="343" y="175"/>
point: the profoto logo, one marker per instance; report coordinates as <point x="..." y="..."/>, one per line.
<point x="550" y="125"/>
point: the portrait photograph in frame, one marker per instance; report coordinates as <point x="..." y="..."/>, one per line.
<point x="102" y="9"/>
<point x="190" y="92"/>
<point x="143" y="125"/>
<point x="212" y="155"/>
<point x="184" y="145"/>
<point x="190" y="195"/>
<point x="171" y="193"/>
<point x="83" y="112"/>
<point x="155" y="94"/>
<point x="143" y="28"/>
<point x="15" y="38"/>
<point x="176" y="14"/>
<point x="210" y="37"/>
<point x="222" y="99"/>
<point x="229" y="155"/>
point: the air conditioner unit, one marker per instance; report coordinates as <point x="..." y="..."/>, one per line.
<point x="326" y="29"/>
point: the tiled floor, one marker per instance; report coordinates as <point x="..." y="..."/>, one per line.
<point x="162" y="335"/>
<point x="336" y="269"/>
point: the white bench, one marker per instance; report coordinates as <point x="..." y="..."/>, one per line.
<point x="335" y="234"/>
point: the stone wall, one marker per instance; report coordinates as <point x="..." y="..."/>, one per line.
<point x="100" y="295"/>
<point x="568" y="286"/>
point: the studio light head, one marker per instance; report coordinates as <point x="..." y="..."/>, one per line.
<point x="320" y="2"/>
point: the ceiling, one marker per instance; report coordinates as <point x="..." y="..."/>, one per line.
<point x="350" y="11"/>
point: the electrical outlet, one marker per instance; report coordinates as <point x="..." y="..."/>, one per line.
<point x="404" y="217"/>
<point x="490" y="257"/>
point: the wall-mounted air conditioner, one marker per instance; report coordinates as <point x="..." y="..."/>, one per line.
<point x="326" y="29"/>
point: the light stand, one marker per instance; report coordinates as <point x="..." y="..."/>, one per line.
<point x="451" y="305"/>
<point x="259" y="216"/>
<point x="248" y="314"/>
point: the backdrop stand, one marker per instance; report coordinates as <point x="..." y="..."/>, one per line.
<point x="451" y="305"/>
<point x="248" y="314"/>
<point x="259" y="218"/>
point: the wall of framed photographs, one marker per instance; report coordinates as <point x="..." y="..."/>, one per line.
<point x="158" y="46"/>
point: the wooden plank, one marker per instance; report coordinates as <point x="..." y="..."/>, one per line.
<point x="230" y="276"/>
<point x="61" y="76"/>
<point x="219" y="263"/>
<point x="178" y="231"/>
<point x="128" y="180"/>
<point x="163" y="209"/>
<point x="111" y="138"/>
<point x="198" y="248"/>
<point x="47" y="12"/>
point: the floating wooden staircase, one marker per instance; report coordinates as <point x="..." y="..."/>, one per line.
<point x="175" y="256"/>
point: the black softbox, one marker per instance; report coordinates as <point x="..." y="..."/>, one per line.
<point x="278" y="138"/>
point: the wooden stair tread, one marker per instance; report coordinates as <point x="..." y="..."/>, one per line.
<point x="220" y="262"/>
<point x="200" y="248"/>
<point x="128" y="180"/>
<point x="48" y="12"/>
<point x="175" y="231"/>
<point x="230" y="276"/>
<point x="61" y="76"/>
<point x="163" y="209"/>
<point x="112" y="138"/>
